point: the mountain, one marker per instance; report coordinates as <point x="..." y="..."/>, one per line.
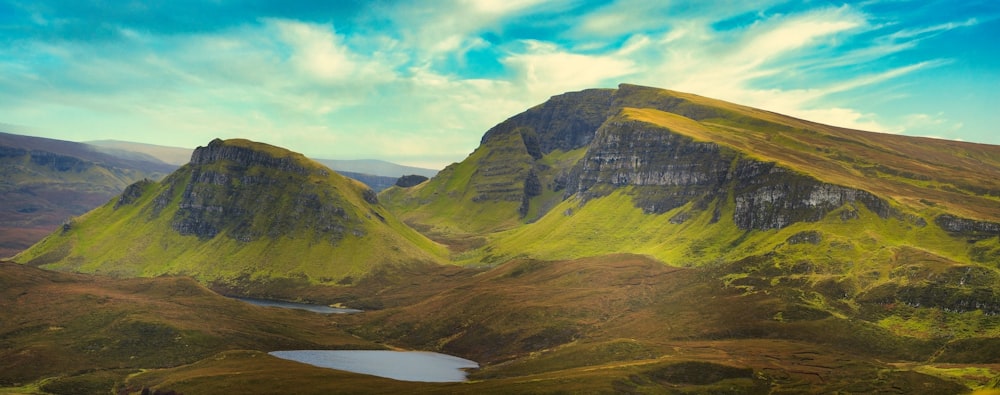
<point x="376" y="167"/>
<point x="691" y="180"/>
<point x="898" y="234"/>
<point x="239" y="214"/>
<point x="630" y="240"/>
<point x="173" y="155"/>
<point x="377" y="174"/>
<point x="376" y="183"/>
<point x="44" y="182"/>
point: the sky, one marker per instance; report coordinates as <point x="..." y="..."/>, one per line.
<point x="420" y="82"/>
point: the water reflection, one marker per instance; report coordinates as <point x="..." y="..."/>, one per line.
<point x="398" y="365"/>
<point x="316" y="308"/>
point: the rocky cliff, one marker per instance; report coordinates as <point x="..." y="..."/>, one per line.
<point x="669" y="170"/>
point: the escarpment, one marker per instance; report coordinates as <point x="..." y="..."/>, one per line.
<point x="669" y="170"/>
<point x="249" y="194"/>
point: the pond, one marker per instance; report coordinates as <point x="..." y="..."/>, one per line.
<point x="398" y="365"/>
<point x="316" y="308"/>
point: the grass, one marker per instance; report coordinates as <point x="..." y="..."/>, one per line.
<point x="369" y="235"/>
<point x="481" y="194"/>
<point x="910" y="170"/>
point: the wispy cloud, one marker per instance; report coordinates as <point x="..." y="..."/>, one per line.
<point x="424" y="80"/>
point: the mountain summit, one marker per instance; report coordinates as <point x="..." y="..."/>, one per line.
<point x="239" y="212"/>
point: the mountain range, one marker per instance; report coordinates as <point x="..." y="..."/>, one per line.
<point x="609" y="240"/>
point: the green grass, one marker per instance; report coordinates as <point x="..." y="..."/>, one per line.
<point x="469" y="197"/>
<point x="137" y="240"/>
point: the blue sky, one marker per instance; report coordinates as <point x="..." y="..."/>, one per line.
<point x="419" y="82"/>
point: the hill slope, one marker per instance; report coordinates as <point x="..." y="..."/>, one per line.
<point x="835" y="219"/>
<point x="44" y="182"/>
<point x="239" y="213"/>
<point x="664" y="161"/>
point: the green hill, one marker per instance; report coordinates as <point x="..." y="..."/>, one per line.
<point x="239" y="213"/>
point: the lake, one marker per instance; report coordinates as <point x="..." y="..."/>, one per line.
<point x="316" y="308"/>
<point x="399" y="365"/>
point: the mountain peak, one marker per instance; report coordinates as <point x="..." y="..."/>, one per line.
<point x="239" y="208"/>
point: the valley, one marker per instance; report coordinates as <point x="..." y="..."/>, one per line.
<point x="630" y="240"/>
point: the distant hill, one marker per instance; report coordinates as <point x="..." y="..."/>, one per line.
<point x="375" y="167"/>
<point x="240" y="213"/>
<point x="45" y="182"/>
<point x="173" y="155"/>
<point x="376" y="183"/>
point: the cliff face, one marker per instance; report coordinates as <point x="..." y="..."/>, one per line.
<point x="249" y="194"/>
<point x="564" y="122"/>
<point x="244" y="157"/>
<point x="669" y="170"/>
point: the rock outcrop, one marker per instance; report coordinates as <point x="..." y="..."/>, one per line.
<point x="256" y="195"/>
<point x="967" y="228"/>
<point x="669" y="170"/>
<point x="564" y="122"/>
<point x="411" y="180"/>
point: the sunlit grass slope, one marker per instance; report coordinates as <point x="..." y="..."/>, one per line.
<point x="304" y="224"/>
<point x="473" y="196"/>
<point x="960" y="177"/>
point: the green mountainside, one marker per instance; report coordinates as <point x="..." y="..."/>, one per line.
<point x="239" y="213"/>
<point x="837" y="220"/>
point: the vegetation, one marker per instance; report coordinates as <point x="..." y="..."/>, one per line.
<point x="238" y="224"/>
<point x="631" y="241"/>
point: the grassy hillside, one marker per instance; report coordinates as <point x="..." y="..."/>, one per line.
<point x="283" y="219"/>
<point x="620" y="323"/>
<point x="483" y="193"/>
<point x="76" y="334"/>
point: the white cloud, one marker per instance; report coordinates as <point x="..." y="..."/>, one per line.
<point x="780" y="37"/>
<point x="349" y="91"/>
<point x="545" y="68"/>
<point x="932" y="30"/>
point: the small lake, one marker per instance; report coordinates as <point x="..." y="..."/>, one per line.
<point x="398" y="365"/>
<point x="316" y="308"/>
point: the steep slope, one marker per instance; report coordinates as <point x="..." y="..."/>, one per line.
<point x="515" y="161"/>
<point x="44" y="182"/>
<point x="239" y="213"/>
<point x="681" y="156"/>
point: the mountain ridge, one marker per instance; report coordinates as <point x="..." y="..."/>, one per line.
<point x="772" y="138"/>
